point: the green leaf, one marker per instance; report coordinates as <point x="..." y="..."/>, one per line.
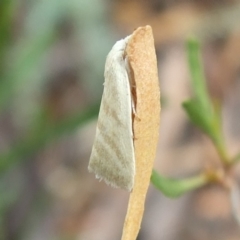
<point x="200" y="109"/>
<point x="174" y="188"/>
<point x="198" y="117"/>
<point x="197" y="76"/>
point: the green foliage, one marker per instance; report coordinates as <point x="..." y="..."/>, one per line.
<point x="200" y="109"/>
<point x="24" y="48"/>
<point x="206" y="115"/>
<point x="174" y="188"/>
<point x="27" y="56"/>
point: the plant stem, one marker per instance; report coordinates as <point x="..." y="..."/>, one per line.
<point x="221" y="149"/>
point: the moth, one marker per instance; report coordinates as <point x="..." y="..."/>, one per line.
<point x="112" y="158"/>
<point x="127" y="132"/>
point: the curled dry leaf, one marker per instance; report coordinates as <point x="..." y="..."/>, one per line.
<point x="141" y="55"/>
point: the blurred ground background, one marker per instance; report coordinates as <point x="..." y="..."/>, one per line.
<point x="52" y="56"/>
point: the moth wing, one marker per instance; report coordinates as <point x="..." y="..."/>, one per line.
<point x="112" y="157"/>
